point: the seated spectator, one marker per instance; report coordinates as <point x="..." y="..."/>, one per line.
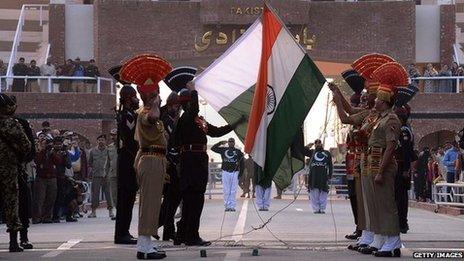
<point x="78" y="71"/>
<point x="33" y="83"/>
<point x="47" y="69"/>
<point x="430" y="85"/>
<point x="91" y="71"/>
<point x="19" y="69"/>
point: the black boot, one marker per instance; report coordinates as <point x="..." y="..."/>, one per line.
<point x="24" y="240"/>
<point x="14" y="247"/>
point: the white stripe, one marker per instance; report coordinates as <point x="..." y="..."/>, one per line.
<point x="284" y="61"/>
<point x="299" y="210"/>
<point x="240" y="226"/>
<point x="234" y="72"/>
<point x="63" y="247"/>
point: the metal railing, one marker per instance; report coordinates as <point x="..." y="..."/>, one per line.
<point x="450" y="194"/>
<point x="50" y="80"/>
<point x="459" y="80"/>
<point x="19" y="30"/>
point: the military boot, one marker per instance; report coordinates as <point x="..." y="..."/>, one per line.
<point x="24" y="240"/>
<point x="14" y="247"/>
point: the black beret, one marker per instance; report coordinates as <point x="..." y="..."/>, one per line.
<point x="178" y="78"/>
<point x="405" y="95"/>
<point x="354" y="80"/>
<point x="114" y="71"/>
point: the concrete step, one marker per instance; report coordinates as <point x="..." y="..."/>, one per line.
<point x="28" y="37"/>
<point x="31" y="14"/>
<point x="23" y="46"/>
<point x="29" y="26"/>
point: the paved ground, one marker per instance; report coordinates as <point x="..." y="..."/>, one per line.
<point x="297" y="233"/>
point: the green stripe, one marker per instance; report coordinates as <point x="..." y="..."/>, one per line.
<point x="299" y="97"/>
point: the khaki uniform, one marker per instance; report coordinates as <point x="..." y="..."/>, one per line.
<point x="366" y="119"/>
<point x="111" y="170"/>
<point x="151" y="172"/>
<point x="386" y="129"/>
<point x="13" y="146"/>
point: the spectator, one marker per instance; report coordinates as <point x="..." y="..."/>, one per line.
<point x="449" y="161"/>
<point x="91" y="71"/>
<point x="421" y="174"/>
<point x="111" y="167"/>
<point x="65" y="70"/>
<point x="432" y="174"/>
<point x="445" y="86"/>
<point x="19" y="69"/>
<point x="45" y="187"/>
<point x="97" y="161"/>
<point x="439" y="159"/>
<point x="46" y="130"/>
<point x="454" y="72"/>
<point x="247" y="179"/>
<point x="47" y="69"/>
<point x="78" y="71"/>
<point x="78" y="159"/>
<point x="413" y="73"/>
<point x="32" y="83"/>
<point x="61" y="203"/>
<point x="430" y="85"/>
<point x="3" y="70"/>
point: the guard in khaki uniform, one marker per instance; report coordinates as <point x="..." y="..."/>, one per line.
<point x="381" y="159"/>
<point x="362" y="118"/>
<point x="150" y="163"/>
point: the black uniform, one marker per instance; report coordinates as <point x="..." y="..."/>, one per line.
<point x="404" y="156"/>
<point x="171" y="191"/>
<point x="190" y="135"/>
<point x="127" y="183"/>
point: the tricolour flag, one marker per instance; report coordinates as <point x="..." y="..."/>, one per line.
<point x="267" y="76"/>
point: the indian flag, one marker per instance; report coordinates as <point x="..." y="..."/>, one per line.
<point x="267" y="76"/>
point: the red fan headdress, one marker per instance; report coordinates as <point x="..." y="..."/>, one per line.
<point x="367" y="64"/>
<point x="146" y="71"/>
<point x="390" y="75"/>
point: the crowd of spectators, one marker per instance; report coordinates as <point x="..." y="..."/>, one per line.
<point x="437" y="85"/>
<point x="70" y="68"/>
<point x="66" y="170"/>
<point x="441" y="164"/>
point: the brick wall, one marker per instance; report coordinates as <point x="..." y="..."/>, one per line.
<point x="344" y="31"/>
<point x="87" y="114"/>
<point x="56" y="34"/>
<point x="447" y="33"/>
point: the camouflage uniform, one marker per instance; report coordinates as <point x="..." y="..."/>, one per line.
<point x="14" y="145"/>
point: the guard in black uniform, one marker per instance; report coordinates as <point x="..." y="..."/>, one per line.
<point x="404" y="155"/>
<point x="190" y="135"/>
<point x="127" y="148"/>
<point x="170" y="115"/>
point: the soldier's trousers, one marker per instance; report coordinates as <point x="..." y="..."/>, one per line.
<point x="171" y="202"/>
<point x="352" y="194"/>
<point x="25" y="200"/>
<point x="192" y="206"/>
<point x="9" y="188"/>
<point x="402" y="186"/>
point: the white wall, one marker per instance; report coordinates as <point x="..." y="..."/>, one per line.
<point x="427" y="33"/>
<point x="79" y="32"/>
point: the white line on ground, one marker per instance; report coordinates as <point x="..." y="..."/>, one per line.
<point x="63" y="247"/>
<point x="299" y="209"/>
<point x="240" y="226"/>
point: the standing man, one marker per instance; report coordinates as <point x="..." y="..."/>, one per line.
<point x="19" y="69"/>
<point x="232" y="167"/>
<point x="47" y="69"/>
<point x="111" y="169"/>
<point x="191" y="138"/>
<point x="320" y="172"/>
<point x="91" y="71"/>
<point x="14" y="146"/>
<point x="3" y="70"/>
<point x="127" y="149"/>
<point x="247" y="179"/>
<point x="404" y="155"/>
<point x="449" y="161"/>
<point x="33" y="83"/>
<point x="97" y="161"/>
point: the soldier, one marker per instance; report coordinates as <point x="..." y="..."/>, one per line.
<point x="170" y="114"/>
<point x="381" y="159"/>
<point x="404" y="155"/>
<point x="14" y="146"/>
<point x="190" y="135"/>
<point x="127" y="148"/>
<point x="111" y="167"/>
